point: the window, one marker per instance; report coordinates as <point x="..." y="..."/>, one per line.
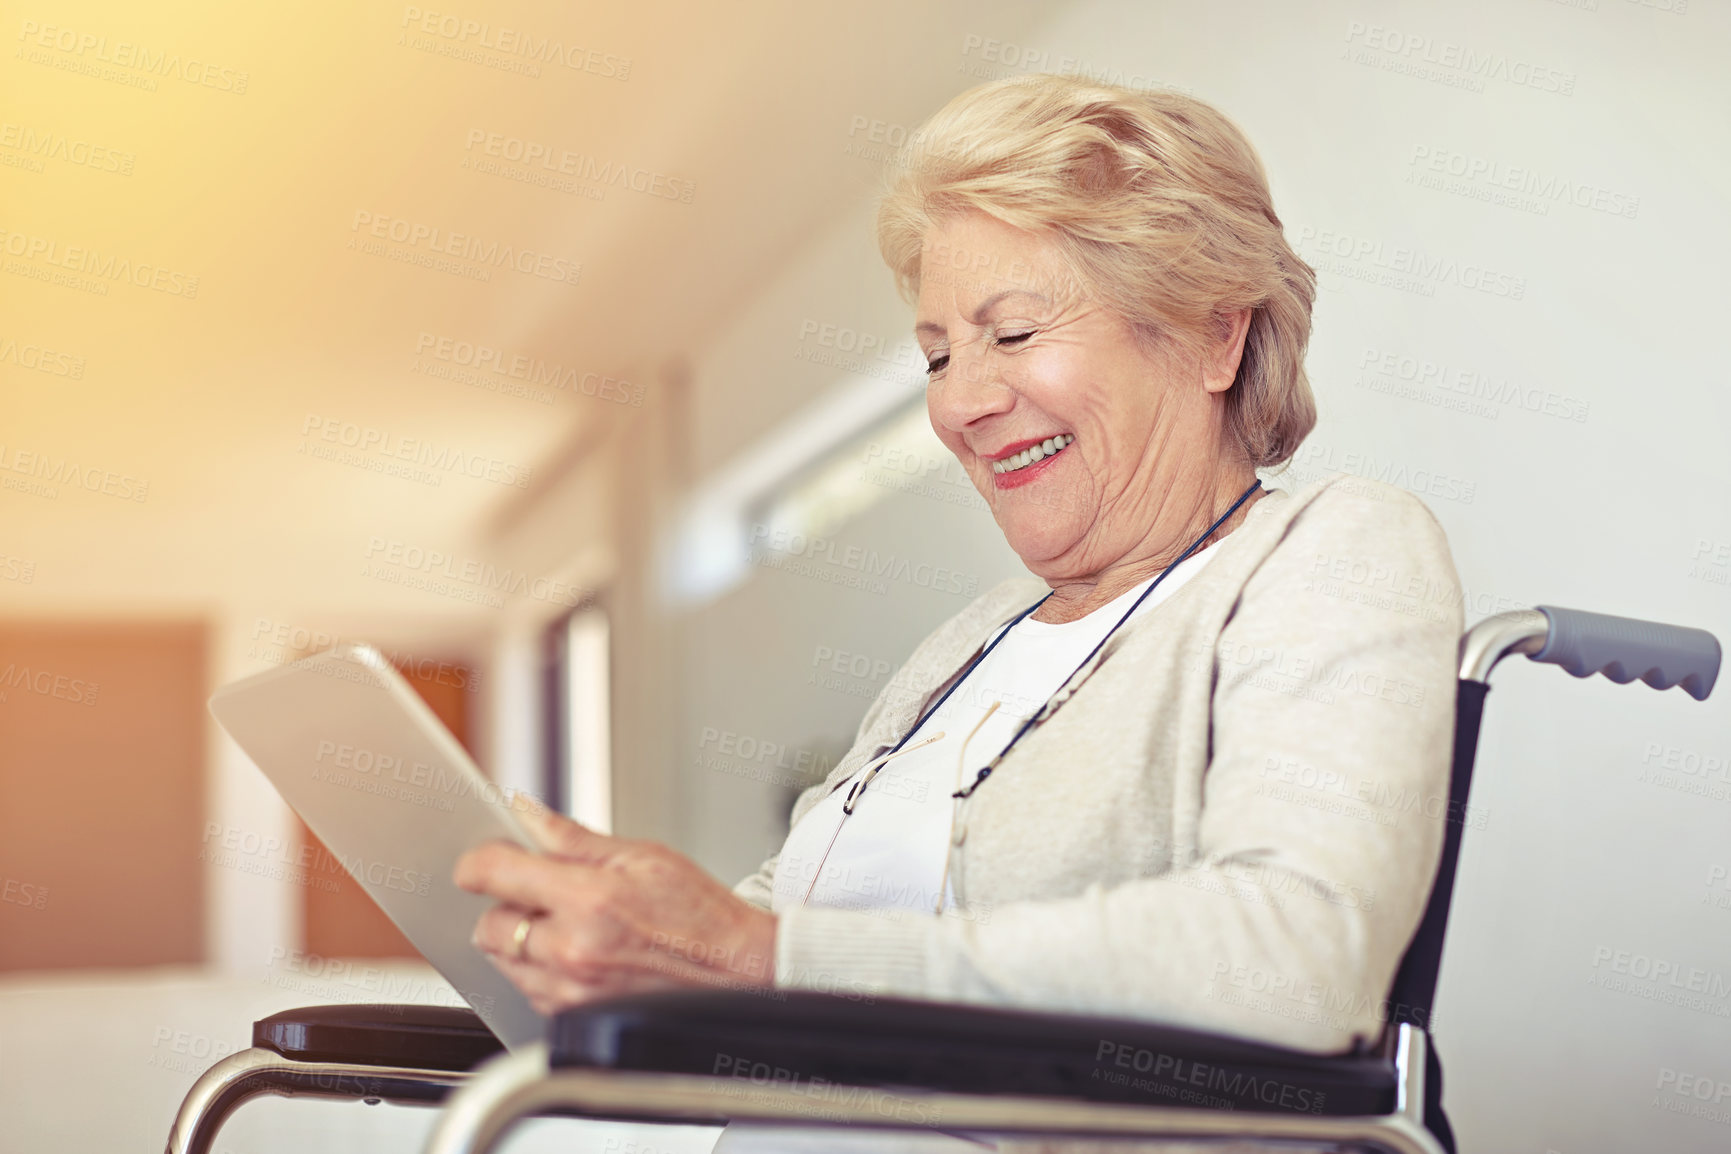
<point x="579" y="717"/>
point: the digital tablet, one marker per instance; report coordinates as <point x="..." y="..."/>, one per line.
<point x="394" y="797"/>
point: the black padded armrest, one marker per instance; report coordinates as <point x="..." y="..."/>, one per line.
<point x="806" y="1040"/>
<point x="416" y="1037"/>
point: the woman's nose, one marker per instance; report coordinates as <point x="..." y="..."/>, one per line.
<point x="970" y="388"/>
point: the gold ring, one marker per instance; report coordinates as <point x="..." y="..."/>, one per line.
<point x="520" y="938"/>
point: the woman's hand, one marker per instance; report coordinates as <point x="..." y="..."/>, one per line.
<point x="610" y="917"/>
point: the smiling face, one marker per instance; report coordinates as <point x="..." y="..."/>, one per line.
<point x="1094" y="451"/>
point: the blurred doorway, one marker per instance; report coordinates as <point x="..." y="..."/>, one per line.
<point x="339" y="919"/>
<point x="102" y="782"/>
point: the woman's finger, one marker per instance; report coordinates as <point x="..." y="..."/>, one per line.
<point x="520" y="877"/>
<point x="533" y="967"/>
<point x="593" y="953"/>
<point x="549" y="991"/>
<point x="558" y="834"/>
<point x="496" y="932"/>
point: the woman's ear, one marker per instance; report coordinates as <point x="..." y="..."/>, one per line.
<point x="1220" y="367"/>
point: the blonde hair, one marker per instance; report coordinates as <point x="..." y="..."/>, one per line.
<point x="1161" y="207"/>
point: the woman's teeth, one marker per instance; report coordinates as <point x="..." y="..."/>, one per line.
<point x="1033" y="453"/>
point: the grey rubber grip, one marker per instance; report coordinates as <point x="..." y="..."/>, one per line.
<point x="1624" y="649"/>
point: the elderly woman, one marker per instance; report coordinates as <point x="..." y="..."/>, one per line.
<point x="1170" y="777"/>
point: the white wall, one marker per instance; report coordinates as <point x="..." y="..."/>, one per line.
<point x="1586" y="313"/>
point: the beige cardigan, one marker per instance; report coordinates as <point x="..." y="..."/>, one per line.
<point x="1234" y="823"/>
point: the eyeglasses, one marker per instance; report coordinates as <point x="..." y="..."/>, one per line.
<point x="858" y="788"/>
<point x="956" y="801"/>
<point x="853" y="795"/>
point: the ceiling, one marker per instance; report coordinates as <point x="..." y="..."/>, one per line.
<point x="353" y="218"/>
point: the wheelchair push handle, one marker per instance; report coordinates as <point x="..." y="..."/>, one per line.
<point x="1624" y="649"/>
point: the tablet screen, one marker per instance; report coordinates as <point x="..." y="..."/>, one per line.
<point x="395" y="798"/>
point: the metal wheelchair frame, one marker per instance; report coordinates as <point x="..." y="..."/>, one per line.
<point x="485" y="1103"/>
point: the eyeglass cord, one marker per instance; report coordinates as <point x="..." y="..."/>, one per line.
<point x="1044" y="712"/>
<point x="1066" y="691"/>
<point x="1063" y="694"/>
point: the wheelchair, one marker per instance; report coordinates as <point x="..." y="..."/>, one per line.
<point x="797" y="1058"/>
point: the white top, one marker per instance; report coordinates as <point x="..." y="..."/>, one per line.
<point x="892" y="851"/>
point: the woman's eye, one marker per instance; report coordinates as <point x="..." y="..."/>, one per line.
<point x="938" y="363"/>
<point x="1014" y="338"/>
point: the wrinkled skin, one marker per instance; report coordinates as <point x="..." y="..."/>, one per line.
<point x="611" y="916"/>
<point x="1019" y="352"/>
